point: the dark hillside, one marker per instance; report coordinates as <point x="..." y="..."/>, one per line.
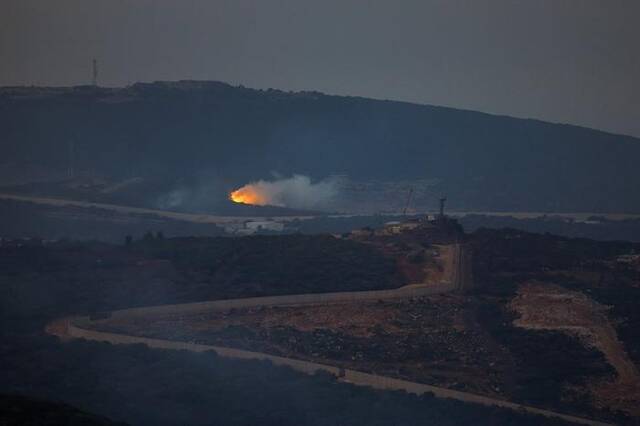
<point x="18" y="410"/>
<point x="234" y="134"/>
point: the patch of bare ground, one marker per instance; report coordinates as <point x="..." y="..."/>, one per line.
<point x="545" y="306"/>
<point x="58" y="328"/>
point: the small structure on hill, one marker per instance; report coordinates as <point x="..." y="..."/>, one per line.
<point x="438" y="230"/>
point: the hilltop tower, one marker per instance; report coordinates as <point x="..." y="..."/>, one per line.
<point x="442" y="201"/>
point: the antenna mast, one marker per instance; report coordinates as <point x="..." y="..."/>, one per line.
<point x="442" y="201"/>
<point x="71" y="169"/>
<point x="406" y="206"/>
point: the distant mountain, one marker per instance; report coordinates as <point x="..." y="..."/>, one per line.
<point x="209" y="131"/>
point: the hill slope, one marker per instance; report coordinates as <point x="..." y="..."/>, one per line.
<point x="187" y="130"/>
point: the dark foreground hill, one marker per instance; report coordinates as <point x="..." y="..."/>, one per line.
<point x="212" y="133"/>
<point x="18" y="410"/>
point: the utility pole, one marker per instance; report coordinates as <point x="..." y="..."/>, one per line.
<point x="70" y="170"/>
<point x="94" y="80"/>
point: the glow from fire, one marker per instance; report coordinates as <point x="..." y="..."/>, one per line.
<point x="248" y="194"/>
<point x="296" y="191"/>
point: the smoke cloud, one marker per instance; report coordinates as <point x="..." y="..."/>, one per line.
<point x="295" y="192"/>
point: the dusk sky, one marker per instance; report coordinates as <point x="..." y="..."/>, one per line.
<point x="563" y="61"/>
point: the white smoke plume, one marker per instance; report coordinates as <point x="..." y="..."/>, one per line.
<point x="295" y="192"/>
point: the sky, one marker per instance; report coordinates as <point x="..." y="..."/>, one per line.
<point x="564" y="61"/>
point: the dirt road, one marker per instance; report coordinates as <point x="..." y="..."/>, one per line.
<point x="459" y="267"/>
<point x="186" y="217"/>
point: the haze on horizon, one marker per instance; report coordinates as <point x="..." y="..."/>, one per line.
<point x="562" y="61"/>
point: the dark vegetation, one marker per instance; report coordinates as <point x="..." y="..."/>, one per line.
<point x="18" y="410"/>
<point x="528" y="255"/>
<point x="595" y="228"/>
<point x="156" y="270"/>
<point x="212" y="132"/>
<point x="267" y="265"/>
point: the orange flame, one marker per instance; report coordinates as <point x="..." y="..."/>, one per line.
<point x="248" y="194"/>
